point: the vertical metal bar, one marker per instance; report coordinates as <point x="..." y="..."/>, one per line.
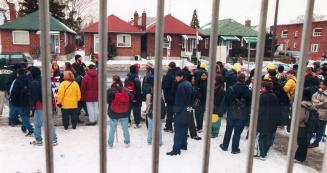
<point x="157" y="85"/>
<point x="306" y="35"/>
<point x="46" y="82"/>
<point x="274" y="30"/>
<point x="257" y="83"/>
<point x="324" y="163"/>
<point x="103" y="28"/>
<point x="211" y="84"/>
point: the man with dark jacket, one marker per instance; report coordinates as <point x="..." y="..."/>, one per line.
<point x="201" y="85"/>
<point x="183" y="113"/>
<point x="237" y="103"/>
<point x="19" y="97"/>
<point x="5" y="79"/>
<point x="311" y="81"/>
<point x="169" y="86"/>
<point x="133" y="84"/>
<point x="267" y="120"/>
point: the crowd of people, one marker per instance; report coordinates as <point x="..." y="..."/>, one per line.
<point x="183" y="101"/>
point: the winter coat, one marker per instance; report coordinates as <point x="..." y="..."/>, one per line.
<point x="134" y="77"/>
<point x="319" y="100"/>
<point x="198" y="72"/>
<point x="162" y="111"/>
<point x="36" y="91"/>
<point x="79" y="68"/>
<point x="69" y="96"/>
<point x="89" y="89"/>
<point x="17" y="96"/>
<point x="311" y="81"/>
<point x="219" y="94"/>
<point x="238" y="90"/>
<point x="169" y="86"/>
<point x="268" y="113"/>
<point x="202" y="86"/>
<point x="5" y="78"/>
<point x="183" y="103"/>
<point x="230" y="78"/>
<point x="111" y="96"/>
<point x="289" y="87"/>
<point x="304" y="114"/>
<point x="147" y="83"/>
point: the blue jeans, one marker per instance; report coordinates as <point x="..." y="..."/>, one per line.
<point x="13" y="112"/>
<point x="150" y="129"/>
<point x="236" y="125"/>
<point x="321" y="131"/>
<point x="24" y="113"/>
<point x="112" y="130"/>
<point x="180" y="137"/>
<point x="38" y="122"/>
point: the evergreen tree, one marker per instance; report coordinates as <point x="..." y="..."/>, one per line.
<point x="195" y="21"/>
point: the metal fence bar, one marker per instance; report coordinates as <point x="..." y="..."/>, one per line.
<point x="307" y="32"/>
<point x="157" y="85"/>
<point x="46" y="82"/>
<point x="211" y="85"/>
<point x="324" y="163"/>
<point x="257" y="83"/>
<point x="103" y="25"/>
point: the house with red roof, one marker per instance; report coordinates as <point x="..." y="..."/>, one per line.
<point x="123" y="36"/>
<point x="180" y="40"/>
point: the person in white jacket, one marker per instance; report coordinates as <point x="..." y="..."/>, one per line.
<point x="319" y="100"/>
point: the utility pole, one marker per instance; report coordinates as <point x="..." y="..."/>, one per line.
<point x="274" y="31"/>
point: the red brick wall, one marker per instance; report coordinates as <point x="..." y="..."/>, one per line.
<point x="322" y="40"/>
<point x="175" y="47"/>
<point x="88" y="43"/>
<point x="71" y="43"/>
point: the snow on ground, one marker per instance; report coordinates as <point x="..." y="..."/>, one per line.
<point x="78" y="152"/>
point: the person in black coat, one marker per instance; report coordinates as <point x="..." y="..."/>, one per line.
<point x="269" y="110"/>
<point x="311" y="81"/>
<point x="169" y="86"/>
<point x="133" y="77"/>
<point x="201" y="84"/>
<point x="237" y="103"/>
<point x="183" y="113"/>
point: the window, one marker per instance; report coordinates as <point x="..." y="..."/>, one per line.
<point x="284" y="34"/>
<point x="229" y="45"/>
<point x="206" y="43"/>
<point x="123" y="40"/>
<point x="296" y="33"/>
<point x="315" y="47"/>
<point x="66" y="39"/>
<point x="294" y="45"/>
<point x="166" y="43"/>
<point x="21" y="37"/>
<point x="96" y="43"/>
<point x="317" y="32"/>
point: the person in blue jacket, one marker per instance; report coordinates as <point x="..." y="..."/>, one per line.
<point x="183" y="113"/>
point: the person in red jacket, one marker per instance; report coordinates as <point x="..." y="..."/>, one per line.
<point x="89" y="92"/>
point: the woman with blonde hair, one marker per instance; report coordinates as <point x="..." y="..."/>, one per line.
<point x="68" y="96"/>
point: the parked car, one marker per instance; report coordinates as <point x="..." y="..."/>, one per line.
<point x="18" y="59"/>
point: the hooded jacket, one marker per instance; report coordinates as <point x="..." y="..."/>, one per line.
<point x="16" y="94"/>
<point x="89" y="89"/>
<point x="115" y="87"/>
<point x="319" y="100"/>
<point x="304" y="114"/>
<point x="134" y="77"/>
<point x="290" y="85"/>
<point x="169" y="86"/>
<point x="69" y="96"/>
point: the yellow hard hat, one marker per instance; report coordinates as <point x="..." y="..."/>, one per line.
<point x="237" y="67"/>
<point x="214" y="118"/>
<point x="271" y="66"/>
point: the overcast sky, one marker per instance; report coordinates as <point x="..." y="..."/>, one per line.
<point x="239" y="10"/>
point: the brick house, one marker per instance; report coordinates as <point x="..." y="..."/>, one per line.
<point x="289" y="36"/>
<point x="237" y="38"/>
<point x="23" y="35"/>
<point x="125" y="38"/>
<point x="180" y="40"/>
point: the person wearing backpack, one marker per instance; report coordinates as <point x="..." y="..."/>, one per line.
<point x="268" y="119"/>
<point x="69" y="95"/>
<point x="169" y="86"/>
<point x="19" y="97"/>
<point x="133" y="84"/>
<point x="237" y="104"/>
<point x="319" y="100"/>
<point x="119" y="102"/>
<point x="303" y="132"/>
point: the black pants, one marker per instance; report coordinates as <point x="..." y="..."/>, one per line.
<point x="199" y="117"/>
<point x="82" y="105"/>
<point x="73" y="114"/>
<point x="302" y="142"/>
<point x="136" y="113"/>
<point x="170" y="117"/>
<point x="192" y="129"/>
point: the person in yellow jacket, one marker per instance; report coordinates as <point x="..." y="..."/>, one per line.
<point x="290" y="85"/>
<point x="68" y="96"/>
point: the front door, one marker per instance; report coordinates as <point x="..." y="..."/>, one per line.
<point x="54" y="44"/>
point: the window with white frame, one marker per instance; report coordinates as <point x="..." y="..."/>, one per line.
<point x="21" y="37"/>
<point x="166" y="43"/>
<point x="315" y="47"/>
<point x="96" y="43"/>
<point x="296" y="33"/>
<point x="206" y="43"/>
<point x="317" y="32"/>
<point x="294" y="45"/>
<point x="124" y="40"/>
<point x="284" y="34"/>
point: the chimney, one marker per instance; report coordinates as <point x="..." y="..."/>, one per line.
<point x="143" y="20"/>
<point x="136" y="18"/>
<point x="248" y="23"/>
<point x="12" y="11"/>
